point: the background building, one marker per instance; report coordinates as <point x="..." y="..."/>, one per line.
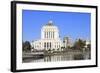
<point x="66" y="42"/>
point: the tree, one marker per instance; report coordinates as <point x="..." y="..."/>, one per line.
<point x="68" y="47"/>
<point x="26" y="46"/>
<point x="62" y="48"/>
<point x="79" y="44"/>
<point x="89" y="46"/>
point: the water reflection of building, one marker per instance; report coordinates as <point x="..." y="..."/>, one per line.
<point x="49" y="38"/>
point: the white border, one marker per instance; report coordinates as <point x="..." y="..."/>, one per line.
<point x="21" y="65"/>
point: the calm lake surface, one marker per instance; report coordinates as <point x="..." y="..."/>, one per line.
<point x="60" y="57"/>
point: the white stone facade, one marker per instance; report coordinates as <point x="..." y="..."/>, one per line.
<point x="50" y="39"/>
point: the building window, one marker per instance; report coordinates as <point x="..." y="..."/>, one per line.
<point x="53" y="35"/>
<point x="45" y="45"/>
<point x="50" y="35"/>
<point x="55" y="46"/>
<point x="50" y="44"/>
<point x="47" y="34"/>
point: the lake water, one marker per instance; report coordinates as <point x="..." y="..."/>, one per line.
<point x="61" y="57"/>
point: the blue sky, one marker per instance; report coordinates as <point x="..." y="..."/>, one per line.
<point x="72" y="24"/>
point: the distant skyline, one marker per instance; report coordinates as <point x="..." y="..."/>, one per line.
<point x="72" y="24"/>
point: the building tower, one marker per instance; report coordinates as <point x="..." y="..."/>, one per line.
<point x="50" y="35"/>
<point x="66" y="42"/>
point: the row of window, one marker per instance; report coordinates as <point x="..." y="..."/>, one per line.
<point x="47" y="45"/>
<point x="49" y="34"/>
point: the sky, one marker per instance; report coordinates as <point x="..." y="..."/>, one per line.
<point x="72" y="24"/>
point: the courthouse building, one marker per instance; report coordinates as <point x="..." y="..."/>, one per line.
<point x="50" y="39"/>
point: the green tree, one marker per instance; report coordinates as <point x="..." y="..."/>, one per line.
<point x="26" y="46"/>
<point x="68" y="47"/>
<point x="79" y="44"/>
